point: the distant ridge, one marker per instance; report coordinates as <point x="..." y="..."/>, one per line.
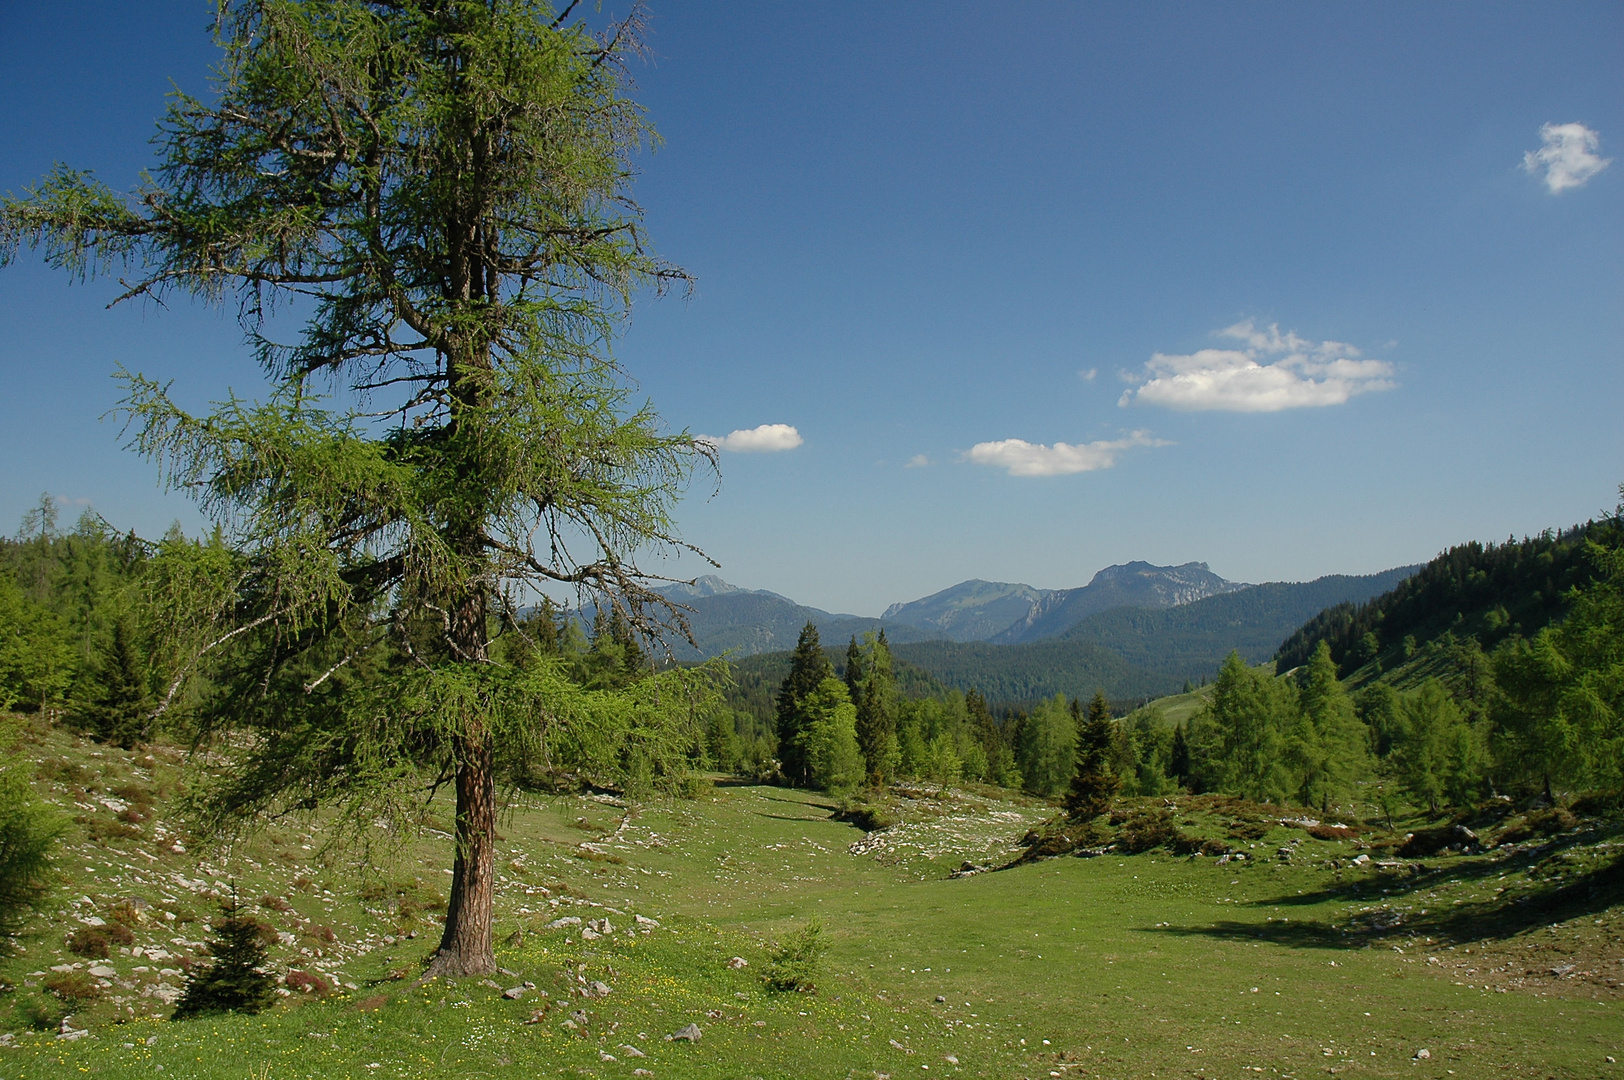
<point x="1134" y="584"/>
<point x="972" y="610"/>
<point x="1139" y="651"/>
<point x="725" y="618"/>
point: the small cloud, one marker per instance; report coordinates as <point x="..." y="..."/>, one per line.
<point x="1568" y="157"/>
<point x="765" y="439"/>
<point x="1088" y="376"/>
<point x="918" y="461"/>
<point x="1022" y="458"/>
<point x="1238" y="380"/>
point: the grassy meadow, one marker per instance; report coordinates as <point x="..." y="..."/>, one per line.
<point x="1501" y="964"/>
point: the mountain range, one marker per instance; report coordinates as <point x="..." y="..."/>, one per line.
<point x="1162" y="622"/>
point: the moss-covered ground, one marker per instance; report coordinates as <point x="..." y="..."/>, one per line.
<point x="1505" y="963"/>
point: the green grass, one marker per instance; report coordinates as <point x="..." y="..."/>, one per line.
<point x="1177" y="709"/>
<point x="1149" y="965"/>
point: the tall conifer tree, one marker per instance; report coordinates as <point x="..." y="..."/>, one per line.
<point x="443" y="187"/>
<point x="1093" y="783"/>
<point x="808" y="667"/>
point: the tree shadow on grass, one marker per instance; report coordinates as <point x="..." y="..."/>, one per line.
<point x="1468" y="923"/>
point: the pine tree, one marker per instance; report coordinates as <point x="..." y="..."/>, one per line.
<point x="122" y="699"/>
<point x="236" y="980"/>
<point x="854" y="670"/>
<point x="1178" y="762"/>
<point x="1093" y="783"/>
<point x="808" y="667"/>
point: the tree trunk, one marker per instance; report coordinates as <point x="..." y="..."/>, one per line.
<point x="465" y="947"/>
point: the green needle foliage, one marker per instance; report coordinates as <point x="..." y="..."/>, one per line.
<point x="236" y="980"/>
<point x="793" y="967"/>
<point x="439" y="190"/>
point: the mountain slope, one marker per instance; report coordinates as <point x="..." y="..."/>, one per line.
<point x="972" y="610"/>
<point x="746" y="622"/>
<point x="1007" y="674"/>
<point x="1482" y="591"/>
<point x="1135" y="584"/>
<point x="1190" y="640"/>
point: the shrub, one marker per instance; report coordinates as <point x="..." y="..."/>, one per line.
<point x="1547" y="822"/>
<point x="1249" y="830"/>
<point x="73" y="987"/>
<point x="793" y="966"/>
<point x="124" y="914"/>
<point x="101" y="829"/>
<point x="1146" y="829"/>
<point x="306" y="982"/>
<point x="90" y="942"/>
<point x="235" y="981"/>
<point x="1330" y="832"/>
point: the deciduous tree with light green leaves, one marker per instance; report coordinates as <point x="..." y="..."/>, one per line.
<point x="439" y="190"/>
<point x="828" y="738"/>
<point x="1047" y="748"/>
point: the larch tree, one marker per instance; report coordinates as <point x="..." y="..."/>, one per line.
<point x="876" y="703"/>
<point x="440" y="191"/>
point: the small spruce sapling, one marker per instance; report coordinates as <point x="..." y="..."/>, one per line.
<point x="236" y="981"/>
<point x="793" y="966"/>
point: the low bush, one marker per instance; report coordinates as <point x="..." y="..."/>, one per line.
<point x="90" y="942"/>
<point x="1143" y="830"/>
<point x="1330" y="832"/>
<point x="1546" y="822"/>
<point x="793" y="967"/>
<point x="306" y="982"/>
<point x="73" y="987"/>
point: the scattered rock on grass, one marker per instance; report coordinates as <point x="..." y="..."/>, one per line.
<point x="738" y="963"/>
<point x="1423" y="1054"/>
<point x="688" y="1034"/>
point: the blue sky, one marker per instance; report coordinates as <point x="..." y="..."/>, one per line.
<point x="1278" y="276"/>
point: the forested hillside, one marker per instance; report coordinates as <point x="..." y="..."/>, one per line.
<point x="1191" y="640"/>
<point x="1022" y="674"/>
<point x="744" y="623"/>
<point x="1483" y="591"/>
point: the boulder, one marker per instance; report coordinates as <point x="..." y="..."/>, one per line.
<point x="690" y="1033"/>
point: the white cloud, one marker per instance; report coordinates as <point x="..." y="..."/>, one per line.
<point x="918" y="461"/>
<point x="1239" y="380"/>
<point x="1088" y="376"/>
<point x="757" y="440"/>
<point x="1568" y="157"/>
<point x="1022" y="458"/>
